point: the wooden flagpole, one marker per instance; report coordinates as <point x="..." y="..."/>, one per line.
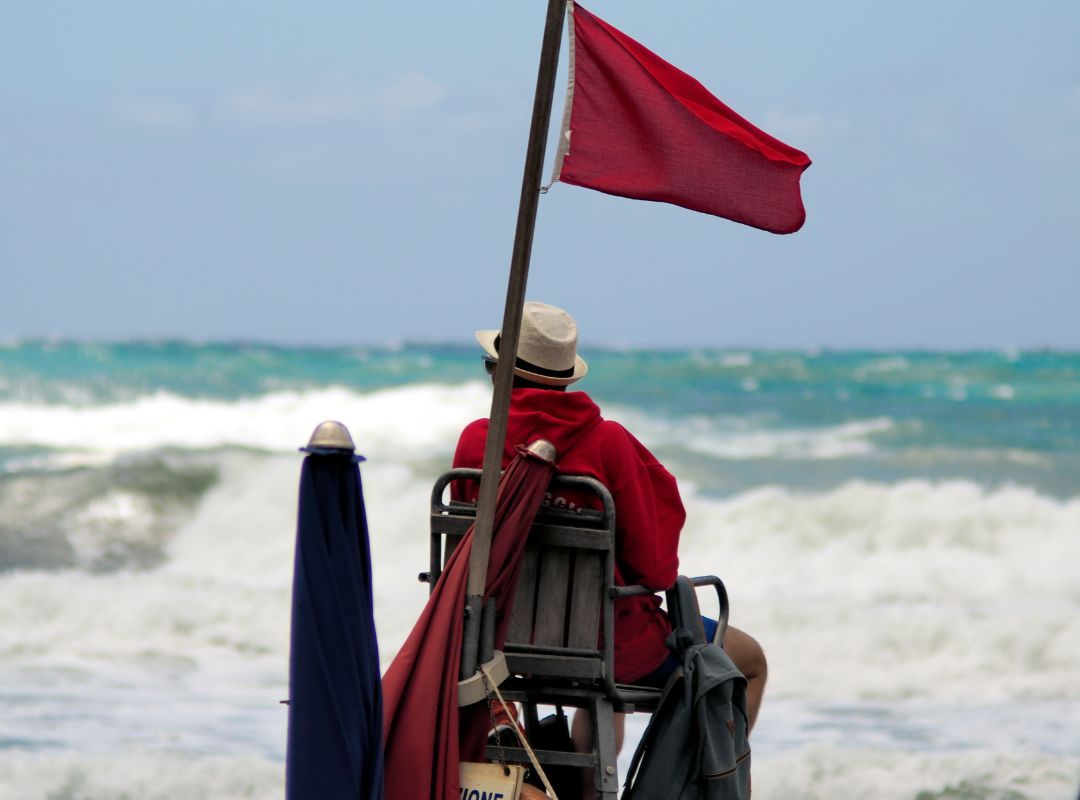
<point x="508" y="341"/>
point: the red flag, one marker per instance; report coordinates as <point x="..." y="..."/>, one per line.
<point x="638" y="127"/>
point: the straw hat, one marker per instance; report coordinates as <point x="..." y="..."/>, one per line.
<point x="547" y="346"/>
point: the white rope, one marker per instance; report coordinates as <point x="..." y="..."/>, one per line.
<point x="489" y="681"/>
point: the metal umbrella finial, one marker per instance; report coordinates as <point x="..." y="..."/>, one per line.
<point x="331" y="438"/>
<point x="542" y="449"/>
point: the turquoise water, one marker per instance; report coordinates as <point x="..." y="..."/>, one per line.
<point x="798" y="385"/>
<point x="992" y="416"/>
<point x="899" y="529"/>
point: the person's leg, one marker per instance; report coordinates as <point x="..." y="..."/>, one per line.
<point x="748" y="656"/>
<point x="581" y="732"/>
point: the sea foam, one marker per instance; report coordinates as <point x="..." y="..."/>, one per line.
<point x="398" y="423"/>
<point x="813" y="773"/>
<point x="411" y="419"/>
<point x="905" y="621"/>
<point x="876" y="591"/>
<point x="892" y="591"/>
<point x="138" y="773"/>
<point x="734" y="438"/>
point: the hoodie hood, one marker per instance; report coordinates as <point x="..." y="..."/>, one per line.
<point x="562" y="418"/>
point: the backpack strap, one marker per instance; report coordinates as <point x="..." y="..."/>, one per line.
<point x="648" y="739"/>
<point x="685" y="615"/>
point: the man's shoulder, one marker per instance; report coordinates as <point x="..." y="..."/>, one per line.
<point x="470" y="446"/>
<point x="477" y="426"/>
<point x="615" y="447"/>
<point x="615" y="433"/>
<point x="621" y="448"/>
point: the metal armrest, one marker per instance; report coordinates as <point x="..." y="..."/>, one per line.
<point x="722" y="598"/>
<point x="682" y="601"/>
<point x="637" y="590"/>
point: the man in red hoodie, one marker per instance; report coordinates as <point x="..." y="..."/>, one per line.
<point x="649" y="513"/>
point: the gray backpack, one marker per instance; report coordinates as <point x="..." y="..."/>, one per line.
<point x="695" y="747"/>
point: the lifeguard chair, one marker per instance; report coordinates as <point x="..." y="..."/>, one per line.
<point x="559" y="646"/>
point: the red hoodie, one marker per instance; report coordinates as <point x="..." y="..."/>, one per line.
<point x="649" y="514"/>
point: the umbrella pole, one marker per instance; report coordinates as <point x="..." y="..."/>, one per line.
<point x="508" y="343"/>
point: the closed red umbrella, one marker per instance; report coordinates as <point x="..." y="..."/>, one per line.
<point x="425" y="735"/>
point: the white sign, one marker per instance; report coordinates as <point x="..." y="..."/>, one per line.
<point x="490" y="781"/>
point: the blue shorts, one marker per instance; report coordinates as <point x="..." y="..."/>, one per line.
<point x="659" y="676"/>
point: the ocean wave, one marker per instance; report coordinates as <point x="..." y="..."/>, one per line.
<point x="221" y="589"/>
<point x="811" y="772"/>
<point x="969" y="589"/>
<point x="741" y="438"/>
<point x="907" y="596"/>
<point x="112" y="516"/>
<point x="891" y="363"/>
<point x="817" y="773"/>
<point x="867" y="591"/>
<point x="141" y="773"/>
<point x="414" y="419"/>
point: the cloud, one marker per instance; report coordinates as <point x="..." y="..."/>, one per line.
<point x="807" y="130"/>
<point x="407" y="93"/>
<point x="327" y="101"/>
<point x="270" y="105"/>
<point x="487" y="119"/>
<point x="159" y="114"/>
<point x="335" y="100"/>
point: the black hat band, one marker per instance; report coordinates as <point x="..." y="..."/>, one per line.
<point x="528" y="366"/>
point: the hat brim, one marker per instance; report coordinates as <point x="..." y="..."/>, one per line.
<point x="487" y="341"/>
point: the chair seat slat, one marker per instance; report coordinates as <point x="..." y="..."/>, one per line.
<point x="551" y="591"/>
<point x="583" y="623"/>
<point x="521" y="616"/>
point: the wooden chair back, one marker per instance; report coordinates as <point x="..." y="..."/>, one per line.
<point x="562" y="617"/>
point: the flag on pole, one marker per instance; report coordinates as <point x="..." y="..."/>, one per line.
<point x="638" y="127"/>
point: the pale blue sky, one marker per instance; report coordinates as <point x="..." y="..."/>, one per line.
<point x="346" y="172"/>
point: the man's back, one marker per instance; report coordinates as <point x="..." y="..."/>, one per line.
<point x="648" y="510"/>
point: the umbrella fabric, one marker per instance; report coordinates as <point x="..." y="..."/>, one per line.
<point x="335" y="700"/>
<point x="425" y="736"/>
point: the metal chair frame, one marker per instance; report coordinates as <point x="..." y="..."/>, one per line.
<point x="563" y="654"/>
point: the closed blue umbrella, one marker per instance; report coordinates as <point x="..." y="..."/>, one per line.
<point x="335" y="697"/>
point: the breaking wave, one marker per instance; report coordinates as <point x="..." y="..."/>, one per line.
<point x="813" y="773"/>
<point x="395" y="422"/>
<point x="98" y="518"/>
<point x="913" y="587"/>
<point x="909" y="590"/>
<point x="916" y="589"/>
<point x="848" y="440"/>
